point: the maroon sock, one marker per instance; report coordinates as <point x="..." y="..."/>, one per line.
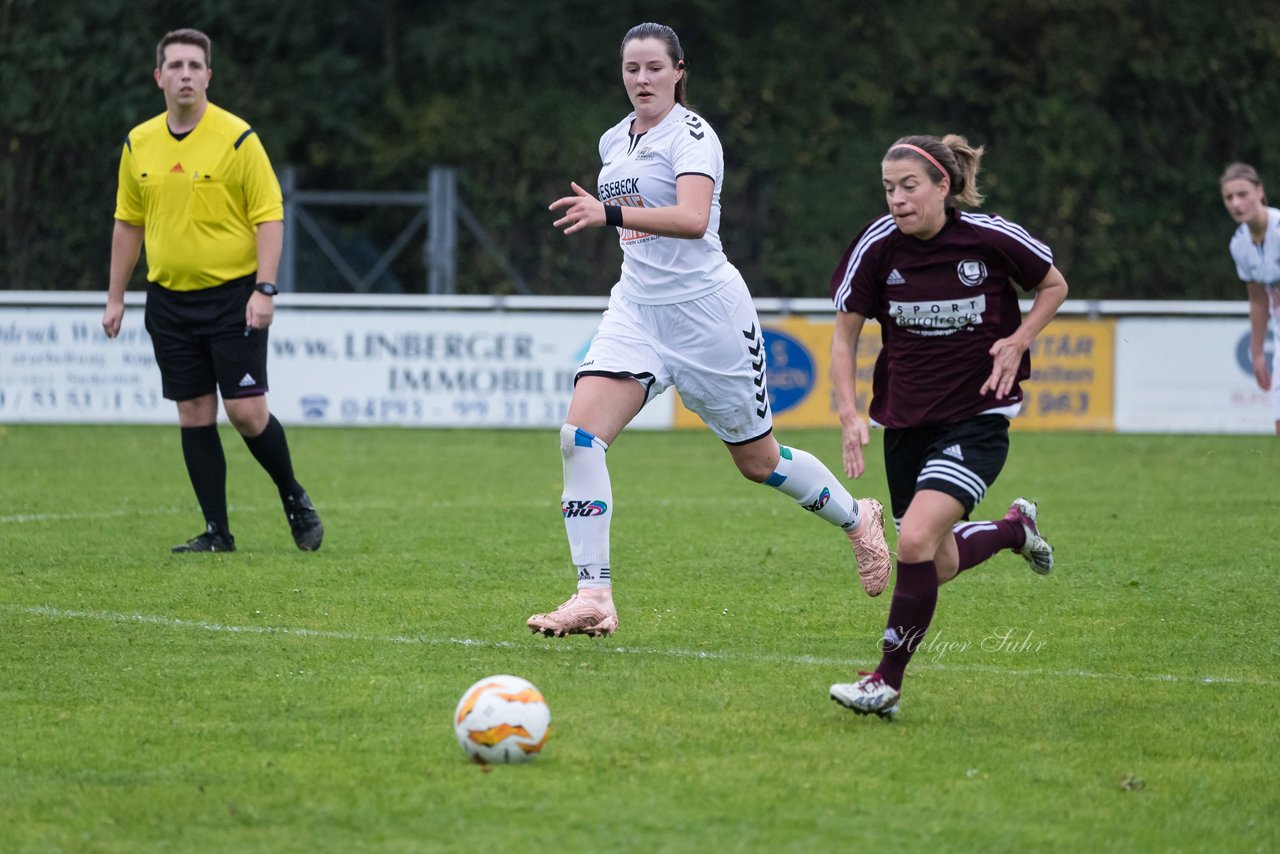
<point x="977" y="541"/>
<point x="915" y="596"/>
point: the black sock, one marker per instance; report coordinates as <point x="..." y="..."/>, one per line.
<point x="271" y="450"/>
<point x="207" y="468"/>
<point x="915" y="596"/>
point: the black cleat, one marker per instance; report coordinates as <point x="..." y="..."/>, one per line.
<point x="304" y="522"/>
<point x="209" y="541"/>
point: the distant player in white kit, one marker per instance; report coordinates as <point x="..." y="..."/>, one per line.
<point x="1255" y="247"/>
<point x="681" y="316"/>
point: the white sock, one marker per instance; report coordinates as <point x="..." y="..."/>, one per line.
<point x="587" y="505"/>
<point x="803" y="476"/>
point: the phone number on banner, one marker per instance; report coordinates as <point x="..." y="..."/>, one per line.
<point x="420" y="411"/>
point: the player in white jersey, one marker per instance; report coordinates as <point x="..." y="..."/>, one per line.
<point x="1255" y="247"/>
<point x="680" y="315"/>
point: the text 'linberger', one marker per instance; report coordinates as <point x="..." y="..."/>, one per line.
<point x="438" y="346"/>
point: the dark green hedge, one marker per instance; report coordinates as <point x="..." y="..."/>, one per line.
<point x="1106" y="123"/>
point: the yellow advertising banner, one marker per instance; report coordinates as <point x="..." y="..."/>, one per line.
<point x="1071" y="387"/>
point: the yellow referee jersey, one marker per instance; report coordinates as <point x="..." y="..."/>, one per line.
<point x="199" y="199"/>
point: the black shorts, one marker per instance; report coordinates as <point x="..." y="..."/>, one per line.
<point x="201" y="343"/>
<point x="961" y="460"/>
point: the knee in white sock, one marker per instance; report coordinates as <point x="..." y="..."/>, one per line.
<point x="575" y="437"/>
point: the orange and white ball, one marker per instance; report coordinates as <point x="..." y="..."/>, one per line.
<point x="502" y="719"/>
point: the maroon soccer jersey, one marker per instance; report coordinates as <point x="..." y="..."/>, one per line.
<point x="941" y="304"/>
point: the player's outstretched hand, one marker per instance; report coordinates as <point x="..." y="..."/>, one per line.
<point x="1006" y="355"/>
<point x="1262" y="371"/>
<point x="581" y="210"/>
<point x="856" y="437"/>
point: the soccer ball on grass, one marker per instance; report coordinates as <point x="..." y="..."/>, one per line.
<point x="502" y="719"/>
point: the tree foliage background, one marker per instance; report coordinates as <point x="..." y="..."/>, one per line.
<point x="1106" y="124"/>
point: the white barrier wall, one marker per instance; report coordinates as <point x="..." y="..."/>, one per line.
<point x="431" y="369"/>
<point x="57" y="365"/>
<point x="410" y="368"/>
<point x="493" y="362"/>
<point x="1188" y="375"/>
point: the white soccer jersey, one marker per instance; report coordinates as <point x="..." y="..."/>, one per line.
<point x="1261" y="263"/>
<point x="641" y="171"/>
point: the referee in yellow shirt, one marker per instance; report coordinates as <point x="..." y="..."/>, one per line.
<point x="197" y="188"/>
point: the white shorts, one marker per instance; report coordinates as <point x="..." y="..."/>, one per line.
<point x="711" y="349"/>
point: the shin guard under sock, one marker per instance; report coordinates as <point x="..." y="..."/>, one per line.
<point x="802" y="476"/>
<point x="207" y="468"/>
<point x="915" y="597"/>
<point x="271" y="449"/>
<point x="587" y="505"/>
<point x="977" y="541"/>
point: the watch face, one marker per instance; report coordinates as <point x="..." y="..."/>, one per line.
<point x="267" y="288"/>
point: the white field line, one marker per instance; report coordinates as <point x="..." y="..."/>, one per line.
<point x="598" y="648"/>
<point x="28" y="518"/>
<point x="552" y="504"/>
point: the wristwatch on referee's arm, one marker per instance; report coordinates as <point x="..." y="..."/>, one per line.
<point x="268" y="288"/>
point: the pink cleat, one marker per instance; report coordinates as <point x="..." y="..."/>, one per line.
<point x="584" y="614"/>
<point x="869" y="547"/>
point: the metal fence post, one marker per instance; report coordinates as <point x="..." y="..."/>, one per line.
<point x="289" y="256"/>
<point x="442" y="230"/>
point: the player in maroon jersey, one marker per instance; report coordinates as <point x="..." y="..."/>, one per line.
<point x="941" y="284"/>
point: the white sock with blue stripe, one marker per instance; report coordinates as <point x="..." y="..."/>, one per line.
<point x="803" y="476"/>
<point x="587" y="505"/>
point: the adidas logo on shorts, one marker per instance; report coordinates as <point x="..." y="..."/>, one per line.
<point x="247" y="380"/>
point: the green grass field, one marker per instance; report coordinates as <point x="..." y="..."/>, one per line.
<point x="271" y="700"/>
